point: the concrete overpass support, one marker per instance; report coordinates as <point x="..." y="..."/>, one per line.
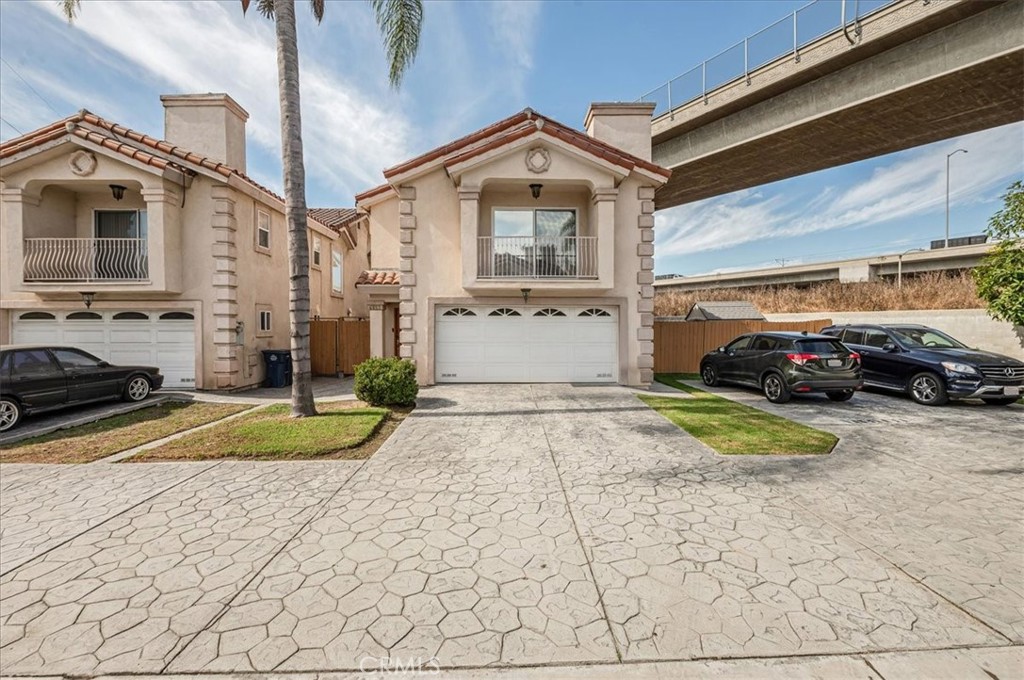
<point x="902" y="89"/>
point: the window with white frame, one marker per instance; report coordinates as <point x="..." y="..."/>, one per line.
<point x="317" y="245"/>
<point x="538" y="223"/>
<point x="337" y="272"/>
<point x="262" y="230"/>
<point x="265" y="321"/>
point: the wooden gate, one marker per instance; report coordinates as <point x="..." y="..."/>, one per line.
<point x="338" y="345"/>
<point x="679" y="345"/>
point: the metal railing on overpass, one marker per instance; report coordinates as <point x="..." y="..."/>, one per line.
<point x="785" y="37"/>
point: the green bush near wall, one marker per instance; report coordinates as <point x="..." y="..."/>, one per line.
<point x="387" y="382"/>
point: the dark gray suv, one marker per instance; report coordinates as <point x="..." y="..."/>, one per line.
<point x="781" y="363"/>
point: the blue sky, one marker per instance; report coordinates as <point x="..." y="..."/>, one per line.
<point x="478" y="62"/>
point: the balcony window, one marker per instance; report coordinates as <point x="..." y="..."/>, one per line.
<point x="536" y="243"/>
<point x="117" y="251"/>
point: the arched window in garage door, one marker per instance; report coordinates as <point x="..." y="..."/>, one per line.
<point x="549" y="311"/>
<point x="175" y="316"/>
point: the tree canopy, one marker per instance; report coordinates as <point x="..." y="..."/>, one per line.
<point x="1000" y="277"/>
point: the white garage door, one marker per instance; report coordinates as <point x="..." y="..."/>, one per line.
<point x="526" y="344"/>
<point x="165" y="339"/>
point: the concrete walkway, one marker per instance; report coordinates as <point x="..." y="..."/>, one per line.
<point x="532" y="526"/>
<point x="324" y="389"/>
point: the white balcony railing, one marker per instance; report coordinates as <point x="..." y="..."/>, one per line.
<point x="537" y="257"/>
<point x="86" y="260"/>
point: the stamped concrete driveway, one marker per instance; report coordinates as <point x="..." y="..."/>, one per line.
<point x="524" y="525"/>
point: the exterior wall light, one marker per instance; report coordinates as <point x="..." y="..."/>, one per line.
<point x="118" y="191"/>
<point x="526" y="295"/>
<point x="87" y="298"/>
<point x="535" y="189"/>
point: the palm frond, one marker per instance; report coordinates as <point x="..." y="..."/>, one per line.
<point x="69" y="8"/>
<point x="266" y="8"/>
<point x="399" y="22"/>
<point x="317" y="7"/>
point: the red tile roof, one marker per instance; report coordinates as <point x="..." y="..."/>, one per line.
<point x="335" y="218"/>
<point x="382" y="277"/>
<point x="522" y="124"/>
<point x="369" y="193"/>
<point x="130" y="143"/>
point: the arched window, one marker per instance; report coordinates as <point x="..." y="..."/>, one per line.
<point x="594" y="312"/>
<point x="549" y="311"/>
<point x="130" y="316"/>
<point x="174" y="316"/>
<point x="504" y="311"/>
<point x="459" y="311"/>
<point x="36" y="316"/>
<point x="83" y="316"/>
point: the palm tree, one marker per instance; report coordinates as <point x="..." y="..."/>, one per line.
<point x="399" y="22"/>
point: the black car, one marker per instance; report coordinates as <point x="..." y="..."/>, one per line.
<point x="35" y="378"/>
<point x="782" y="363"/>
<point x="931" y="366"/>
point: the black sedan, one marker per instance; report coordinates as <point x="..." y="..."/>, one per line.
<point x="36" y="378"/>
<point x="930" y="366"/>
<point x="781" y="363"/>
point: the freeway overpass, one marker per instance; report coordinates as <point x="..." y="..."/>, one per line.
<point x="846" y="271"/>
<point x="910" y="73"/>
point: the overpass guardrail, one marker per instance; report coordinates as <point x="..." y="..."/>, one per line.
<point x="787" y="36"/>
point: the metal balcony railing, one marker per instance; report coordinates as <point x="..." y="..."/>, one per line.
<point x="537" y="257"/>
<point x="786" y="37"/>
<point x="86" y="260"/>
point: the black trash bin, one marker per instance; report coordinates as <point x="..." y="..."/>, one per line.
<point x="278" y="363"/>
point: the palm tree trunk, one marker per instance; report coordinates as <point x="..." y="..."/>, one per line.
<point x="295" y="206"/>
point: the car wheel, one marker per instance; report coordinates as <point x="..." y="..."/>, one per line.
<point x="840" y="395"/>
<point x="709" y="375"/>
<point x="927" y="389"/>
<point x="10" y="414"/>
<point x="137" y="388"/>
<point x="999" y="401"/>
<point x="775" y="389"/>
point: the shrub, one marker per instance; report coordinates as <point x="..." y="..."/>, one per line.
<point x="386" y="382"/>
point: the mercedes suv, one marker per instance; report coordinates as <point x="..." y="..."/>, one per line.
<point x="783" y="362"/>
<point x="931" y="366"/>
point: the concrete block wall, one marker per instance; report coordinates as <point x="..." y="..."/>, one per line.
<point x="973" y="327"/>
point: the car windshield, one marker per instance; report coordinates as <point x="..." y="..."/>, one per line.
<point x="926" y="337"/>
<point x="817" y="346"/>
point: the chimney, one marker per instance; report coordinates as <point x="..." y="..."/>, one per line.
<point x="626" y="126"/>
<point x="210" y="124"/>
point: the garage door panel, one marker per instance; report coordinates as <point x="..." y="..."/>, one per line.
<point x="167" y="344"/>
<point x="575" y="347"/>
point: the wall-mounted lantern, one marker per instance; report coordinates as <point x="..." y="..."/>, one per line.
<point x="118" y="191"/>
<point x="526" y="295"/>
<point x="87" y="298"/>
<point x="535" y="189"/>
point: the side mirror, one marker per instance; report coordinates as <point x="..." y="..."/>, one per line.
<point x="721" y="350"/>
<point x="103" y="364"/>
<point x="889" y="347"/>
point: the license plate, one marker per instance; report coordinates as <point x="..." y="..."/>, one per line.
<point x="834" y="363"/>
<point x="1011" y="391"/>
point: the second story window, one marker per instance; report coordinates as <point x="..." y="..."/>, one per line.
<point x="262" y="230"/>
<point x="337" y="272"/>
<point x="536" y="223"/>
<point x="316" y="251"/>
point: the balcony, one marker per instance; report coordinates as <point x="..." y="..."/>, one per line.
<point x="86" y="260"/>
<point x="537" y="257"/>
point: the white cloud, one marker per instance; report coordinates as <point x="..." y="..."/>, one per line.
<point x="210" y="47"/>
<point x="514" y="28"/>
<point x="911" y="184"/>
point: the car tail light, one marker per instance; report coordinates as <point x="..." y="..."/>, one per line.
<point x="801" y="358"/>
<point x="855" y="356"/>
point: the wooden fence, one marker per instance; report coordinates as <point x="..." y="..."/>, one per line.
<point x="338" y="345"/>
<point x="679" y="345"/>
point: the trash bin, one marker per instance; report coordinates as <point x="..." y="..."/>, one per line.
<point x="278" y="363"/>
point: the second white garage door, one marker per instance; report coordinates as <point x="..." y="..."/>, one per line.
<point x="526" y="344"/>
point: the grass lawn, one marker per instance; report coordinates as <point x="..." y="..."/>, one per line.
<point x="735" y="429"/>
<point x="106" y="437"/>
<point x="339" y="431"/>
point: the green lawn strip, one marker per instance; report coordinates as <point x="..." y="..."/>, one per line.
<point x="86" y="443"/>
<point x="272" y="433"/>
<point x="732" y="428"/>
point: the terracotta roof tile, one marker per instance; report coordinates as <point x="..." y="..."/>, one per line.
<point x="335" y="218"/>
<point x="380" y="277"/>
<point x="369" y="193"/>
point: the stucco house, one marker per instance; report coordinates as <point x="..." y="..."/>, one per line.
<point x="522" y="252"/>
<point x="159" y="252"/>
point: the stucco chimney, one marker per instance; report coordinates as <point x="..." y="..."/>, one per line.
<point x="210" y="124"/>
<point x="626" y="126"/>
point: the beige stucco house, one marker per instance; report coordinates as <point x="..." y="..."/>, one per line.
<point x="520" y="253"/>
<point x="181" y="256"/>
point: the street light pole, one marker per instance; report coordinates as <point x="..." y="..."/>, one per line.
<point x="948" y="156"/>
<point x="899" y="265"/>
